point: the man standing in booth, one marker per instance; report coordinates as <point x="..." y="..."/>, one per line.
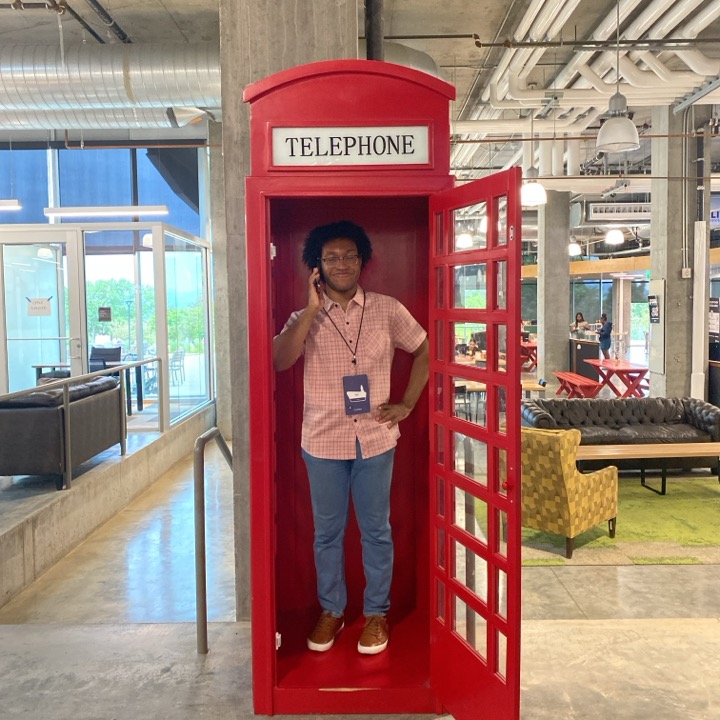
<point x="348" y="338"/>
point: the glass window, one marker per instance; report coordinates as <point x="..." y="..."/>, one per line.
<point x="24" y="177"/>
<point x="471" y="225"/>
<point x="470" y="286"/>
<point x="471" y="458"/>
<point x="187" y="323"/>
<point x="95" y="177"/>
<point x="471" y="627"/>
<point x="169" y="176"/>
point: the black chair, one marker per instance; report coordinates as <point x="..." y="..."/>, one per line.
<point x="100" y="357"/>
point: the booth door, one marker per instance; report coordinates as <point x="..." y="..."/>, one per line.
<point x="474" y="412"/>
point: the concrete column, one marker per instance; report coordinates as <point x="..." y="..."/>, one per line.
<point x="259" y="38"/>
<point x="673" y="213"/>
<point x="220" y="281"/>
<point x="553" y="285"/>
<point x="621" y="314"/>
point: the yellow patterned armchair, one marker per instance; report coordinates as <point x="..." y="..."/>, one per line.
<point x="556" y="496"/>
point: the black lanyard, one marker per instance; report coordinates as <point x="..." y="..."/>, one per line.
<point x="357" y="339"/>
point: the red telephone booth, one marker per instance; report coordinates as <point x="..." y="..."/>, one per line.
<point x="370" y="142"/>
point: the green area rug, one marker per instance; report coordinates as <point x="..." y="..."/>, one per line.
<point x="681" y="527"/>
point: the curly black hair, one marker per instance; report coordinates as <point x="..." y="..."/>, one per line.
<point x="323" y="234"/>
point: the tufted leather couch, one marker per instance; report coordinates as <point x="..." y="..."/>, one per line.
<point x="618" y="421"/>
<point x="32" y="428"/>
<point x="626" y="421"/>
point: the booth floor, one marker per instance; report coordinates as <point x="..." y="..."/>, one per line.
<point x="107" y="633"/>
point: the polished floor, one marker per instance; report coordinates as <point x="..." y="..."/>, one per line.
<point x="107" y="633"/>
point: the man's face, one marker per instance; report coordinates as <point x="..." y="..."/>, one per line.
<point x="340" y="275"/>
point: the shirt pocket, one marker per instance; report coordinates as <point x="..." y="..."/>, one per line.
<point x="375" y="345"/>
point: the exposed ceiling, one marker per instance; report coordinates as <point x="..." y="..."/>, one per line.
<point x="509" y="59"/>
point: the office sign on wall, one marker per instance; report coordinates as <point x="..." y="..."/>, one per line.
<point x="654" y="307"/>
<point x="714" y="320"/>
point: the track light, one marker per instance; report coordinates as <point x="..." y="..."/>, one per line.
<point x="107" y="211"/>
<point x="10" y="205"/>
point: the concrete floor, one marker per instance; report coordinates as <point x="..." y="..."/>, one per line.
<point x="107" y="633"/>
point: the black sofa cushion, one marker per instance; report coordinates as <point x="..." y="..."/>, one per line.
<point x="53" y="397"/>
<point x="670" y="433"/>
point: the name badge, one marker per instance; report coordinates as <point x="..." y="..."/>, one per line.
<point x="356" y="390"/>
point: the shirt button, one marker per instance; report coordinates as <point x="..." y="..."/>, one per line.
<point x="355" y="420"/>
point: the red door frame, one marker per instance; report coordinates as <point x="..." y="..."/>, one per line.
<point x="476" y="677"/>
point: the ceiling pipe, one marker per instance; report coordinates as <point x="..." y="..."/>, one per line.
<point x="603" y="32"/>
<point x="658" y="75"/>
<point x="523" y="28"/>
<point x="108" y="21"/>
<point x="697" y="61"/>
<point x="523" y="125"/>
<point x="560" y="18"/>
<point x="96" y="119"/>
<point x="374" y="32"/>
<point x="109" y="76"/>
<point x="674" y="15"/>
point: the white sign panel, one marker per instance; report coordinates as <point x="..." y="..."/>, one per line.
<point x="393" y="145"/>
<point x="38" y="307"/>
<point x="714" y="211"/>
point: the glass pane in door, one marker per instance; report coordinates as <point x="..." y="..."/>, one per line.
<point x="35" y="313"/>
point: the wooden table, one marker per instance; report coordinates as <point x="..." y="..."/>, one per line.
<point x="52" y="366"/>
<point x="476" y="393"/>
<point x="651" y="456"/>
<point x="632" y="376"/>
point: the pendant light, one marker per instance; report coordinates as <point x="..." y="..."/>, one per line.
<point x="532" y="192"/>
<point x="614" y="236"/>
<point x="618" y="133"/>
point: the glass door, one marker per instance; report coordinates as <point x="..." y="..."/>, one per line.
<point x="41" y="306"/>
<point x="475" y="448"/>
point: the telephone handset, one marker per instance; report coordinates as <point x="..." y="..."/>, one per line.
<point x="320" y="279"/>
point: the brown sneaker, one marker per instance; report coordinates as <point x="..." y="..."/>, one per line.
<point x="374" y="638"/>
<point x="325" y="632"/>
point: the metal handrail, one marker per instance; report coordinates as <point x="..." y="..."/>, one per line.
<point x="200" y="564"/>
<point x="64" y="384"/>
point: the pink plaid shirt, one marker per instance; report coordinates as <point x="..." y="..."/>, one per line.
<point x="327" y="431"/>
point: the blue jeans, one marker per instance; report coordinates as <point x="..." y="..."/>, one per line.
<point x="331" y="484"/>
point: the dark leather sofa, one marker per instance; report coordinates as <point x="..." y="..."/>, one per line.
<point x="32" y="428"/>
<point x="624" y="421"/>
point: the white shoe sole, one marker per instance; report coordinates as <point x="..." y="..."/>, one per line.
<point x="371" y="650"/>
<point x="323" y="647"/>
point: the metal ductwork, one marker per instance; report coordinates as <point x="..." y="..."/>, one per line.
<point x="133" y="86"/>
<point x="106" y="86"/>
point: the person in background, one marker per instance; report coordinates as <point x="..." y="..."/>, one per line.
<point x="580" y="325"/>
<point x="605" y="335"/>
<point x="348" y="338"/>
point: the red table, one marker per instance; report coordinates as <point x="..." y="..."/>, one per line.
<point x="528" y="352"/>
<point x="632" y="376"/>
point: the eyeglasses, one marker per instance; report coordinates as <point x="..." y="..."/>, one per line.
<point x="334" y="260"/>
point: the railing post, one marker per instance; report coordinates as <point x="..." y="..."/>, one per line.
<point x="200" y="559"/>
